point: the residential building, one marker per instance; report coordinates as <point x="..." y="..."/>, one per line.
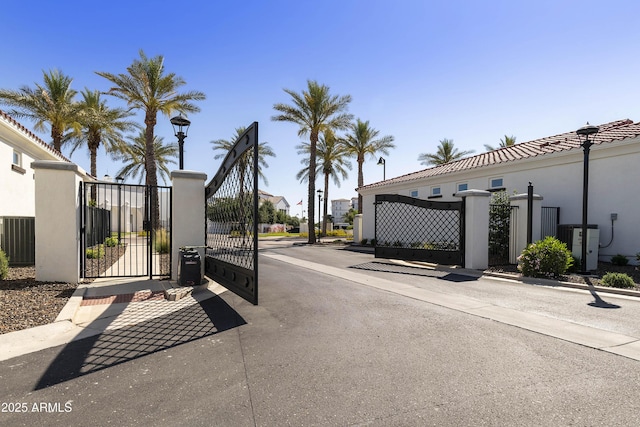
<point x="339" y="208"/>
<point x="279" y="202"/>
<point x="554" y="166"/>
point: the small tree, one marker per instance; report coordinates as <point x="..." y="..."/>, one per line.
<point x="499" y="221"/>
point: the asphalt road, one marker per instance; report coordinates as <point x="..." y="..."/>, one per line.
<point x="322" y="350"/>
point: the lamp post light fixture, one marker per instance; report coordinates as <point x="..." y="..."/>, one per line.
<point x="319" y="211"/>
<point x="180" y="127"/>
<point x="586" y="143"/>
<point x="383" y="162"/>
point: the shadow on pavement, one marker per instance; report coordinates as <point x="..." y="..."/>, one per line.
<point x="599" y="302"/>
<point x="413" y="271"/>
<point x="112" y="347"/>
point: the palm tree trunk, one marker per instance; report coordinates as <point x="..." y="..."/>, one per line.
<point x="151" y="170"/>
<point x="326" y="200"/>
<point x="360" y="182"/>
<point x="313" y="140"/>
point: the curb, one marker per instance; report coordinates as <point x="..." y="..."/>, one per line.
<point x="71" y="307"/>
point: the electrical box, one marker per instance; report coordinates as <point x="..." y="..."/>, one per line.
<point x="593" y="242"/>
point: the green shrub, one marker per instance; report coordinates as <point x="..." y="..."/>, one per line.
<point x="161" y="241"/>
<point x="364" y="242"/>
<point x="619" y="260"/>
<point x="373" y="242"/>
<point x="545" y="258"/>
<point x="111" y="242"/>
<point x="95" y="252"/>
<point x="618" y="280"/>
<point x="4" y="264"/>
<point x="303" y="234"/>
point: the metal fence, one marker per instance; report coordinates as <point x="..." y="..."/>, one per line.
<point x="98" y="225"/>
<point x="550" y="221"/>
<point x="502" y="234"/>
<point x="18" y="239"/>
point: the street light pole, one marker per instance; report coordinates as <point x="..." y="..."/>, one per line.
<point x="119" y="178"/>
<point x="383" y="162"/>
<point x="585" y="131"/>
<point x="319" y="211"/>
<point x="180" y="127"/>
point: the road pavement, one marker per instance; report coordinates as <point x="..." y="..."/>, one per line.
<point x="330" y="349"/>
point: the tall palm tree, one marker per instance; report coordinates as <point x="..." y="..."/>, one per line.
<point x="446" y="153"/>
<point x="146" y="87"/>
<point x="315" y="111"/>
<point x="332" y="162"/>
<point x="224" y="146"/>
<point x="508" y="141"/>
<point x="134" y="157"/>
<point x="364" y="140"/>
<point x="50" y="103"/>
<point x="100" y="125"/>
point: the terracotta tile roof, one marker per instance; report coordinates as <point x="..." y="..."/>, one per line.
<point x="609" y="132"/>
<point x="33" y="136"/>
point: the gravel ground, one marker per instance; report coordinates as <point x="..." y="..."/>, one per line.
<point x="25" y="303"/>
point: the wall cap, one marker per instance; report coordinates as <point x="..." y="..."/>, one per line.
<point x="473" y="193"/>
<point x="524" y="196"/>
<point x="55" y="165"/>
<point x="186" y="174"/>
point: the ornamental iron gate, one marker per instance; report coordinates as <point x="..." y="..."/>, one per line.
<point x="231" y="202"/>
<point x="120" y="235"/>
<point x="419" y="230"/>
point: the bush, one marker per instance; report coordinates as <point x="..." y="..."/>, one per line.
<point x="373" y="242"/>
<point x="545" y="258"/>
<point x="111" y="242"/>
<point x="364" y="242"/>
<point x="619" y="260"/>
<point x="95" y="252"/>
<point x="618" y="280"/>
<point x="161" y="241"/>
<point x="4" y="264"/>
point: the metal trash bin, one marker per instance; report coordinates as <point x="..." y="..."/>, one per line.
<point x="189" y="267"/>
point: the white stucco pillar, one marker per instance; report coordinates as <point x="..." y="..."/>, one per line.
<point x="57" y="224"/>
<point x="476" y="234"/>
<point x="357" y="229"/>
<point x="520" y="240"/>
<point x="188" y="214"/>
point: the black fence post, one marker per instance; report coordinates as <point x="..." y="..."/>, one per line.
<point x="530" y="214"/>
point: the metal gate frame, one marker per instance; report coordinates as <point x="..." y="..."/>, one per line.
<point x="231" y="230"/>
<point x="417" y="248"/>
<point x="127" y="263"/>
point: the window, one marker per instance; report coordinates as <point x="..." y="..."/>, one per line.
<point x="414" y="193"/>
<point x="17" y="158"/>
<point x="463" y="186"/>
<point x="435" y="192"/>
<point x="496" y="183"/>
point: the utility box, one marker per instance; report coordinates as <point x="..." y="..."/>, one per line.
<point x="593" y="242"/>
<point x="189" y="267"/>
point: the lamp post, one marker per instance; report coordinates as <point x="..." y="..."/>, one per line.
<point x="586" y="144"/>
<point x="180" y="127"/>
<point x="383" y="162"/>
<point x="319" y="211"/>
<point x="119" y="178"/>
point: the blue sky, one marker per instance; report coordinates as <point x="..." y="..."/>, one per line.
<point x="471" y="71"/>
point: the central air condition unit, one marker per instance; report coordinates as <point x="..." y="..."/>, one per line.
<point x="593" y="241"/>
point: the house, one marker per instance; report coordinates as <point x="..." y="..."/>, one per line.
<point x="554" y="166"/>
<point x="339" y="208"/>
<point x="279" y="202"/>
<point x="19" y="147"/>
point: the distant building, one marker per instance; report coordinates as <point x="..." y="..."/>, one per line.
<point x="279" y="202"/>
<point x="354" y="203"/>
<point x="339" y="208"/>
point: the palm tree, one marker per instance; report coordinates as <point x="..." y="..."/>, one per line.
<point x="446" y="153"/>
<point x="134" y="157"/>
<point x="50" y="103"/>
<point x="364" y="140"/>
<point x="508" y="141"/>
<point x="224" y="146"/>
<point x="332" y="162"/>
<point x="315" y="111"/>
<point x="100" y="125"/>
<point x="146" y="87"/>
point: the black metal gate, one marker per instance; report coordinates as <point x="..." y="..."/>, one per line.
<point x="125" y="230"/>
<point x="231" y="202"/>
<point x="419" y="230"/>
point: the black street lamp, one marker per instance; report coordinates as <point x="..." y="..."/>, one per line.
<point x="179" y="123"/>
<point x="383" y="162"/>
<point x="319" y="211"/>
<point x="586" y="144"/>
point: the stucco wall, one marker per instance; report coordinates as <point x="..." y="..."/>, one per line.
<point x="613" y="182"/>
<point x="17" y="189"/>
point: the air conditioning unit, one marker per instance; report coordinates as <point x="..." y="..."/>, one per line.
<point x="593" y="241"/>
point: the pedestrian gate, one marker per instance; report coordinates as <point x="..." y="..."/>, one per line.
<point x="231" y="202"/>
<point x="419" y="230"/>
<point x="125" y="230"/>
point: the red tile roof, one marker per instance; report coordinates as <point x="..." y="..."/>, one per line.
<point x="609" y="132"/>
<point x="33" y="136"/>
